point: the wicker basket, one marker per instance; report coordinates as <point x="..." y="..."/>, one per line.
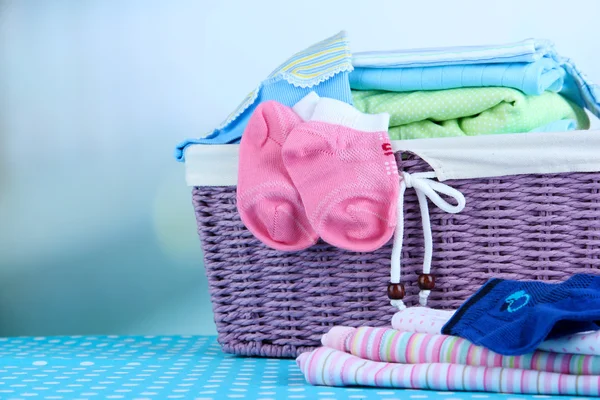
<point x="276" y="304"/>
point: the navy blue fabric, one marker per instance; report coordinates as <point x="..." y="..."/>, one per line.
<point x="513" y="318"/>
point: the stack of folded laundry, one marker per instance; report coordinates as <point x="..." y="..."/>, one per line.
<point x="510" y="337"/>
<point x="522" y="87"/>
<point x="509" y="88"/>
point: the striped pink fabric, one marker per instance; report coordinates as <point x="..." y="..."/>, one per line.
<point x="330" y="367"/>
<point x="389" y="345"/>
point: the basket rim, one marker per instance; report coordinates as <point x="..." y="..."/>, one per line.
<point x="464" y="157"/>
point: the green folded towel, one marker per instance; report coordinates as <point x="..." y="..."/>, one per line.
<point x="467" y="111"/>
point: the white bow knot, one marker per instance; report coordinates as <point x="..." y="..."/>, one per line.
<point x="425" y="187"/>
<point x="423" y="184"/>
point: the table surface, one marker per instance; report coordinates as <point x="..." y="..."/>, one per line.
<point x="167" y="367"/>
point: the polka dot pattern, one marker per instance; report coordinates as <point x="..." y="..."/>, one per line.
<point x="467" y="111"/>
<point x="174" y="367"/>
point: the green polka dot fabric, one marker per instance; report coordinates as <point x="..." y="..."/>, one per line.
<point x="169" y="367"/>
<point x="467" y="111"/>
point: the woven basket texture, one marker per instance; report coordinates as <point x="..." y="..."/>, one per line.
<point x="278" y="304"/>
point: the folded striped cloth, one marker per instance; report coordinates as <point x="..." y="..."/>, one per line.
<point x="384" y="357"/>
<point x="330" y="367"/>
<point x="390" y="345"/>
<point x="322" y="68"/>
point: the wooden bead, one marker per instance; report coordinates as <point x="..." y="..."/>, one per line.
<point x="395" y="291"/>
<point x="426" y="282"/>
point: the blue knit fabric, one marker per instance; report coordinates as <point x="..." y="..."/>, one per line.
<point x="531" y="78"/>
<point x="322" y="68"/>
<point x="279" y="90"/>
<point x="513" y="318"/>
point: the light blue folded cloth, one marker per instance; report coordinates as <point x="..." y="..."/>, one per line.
<point x="281" y="91"/>
<point x="322" y="68"/>
<point x="579" y="89"/>
<point x="531" y="78"/>
<point x="528" y="50"/>
<point x="576" y="87"/>
<point x="563" y="125"/>
<point x="326" y="68"/>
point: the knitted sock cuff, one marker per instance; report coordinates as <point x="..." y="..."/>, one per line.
<point x="339" y="113"/>
<point x="305" y="108"/>
<point x="469" y="312"/>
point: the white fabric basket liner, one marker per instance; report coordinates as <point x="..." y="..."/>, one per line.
<point x="451" y="158"/>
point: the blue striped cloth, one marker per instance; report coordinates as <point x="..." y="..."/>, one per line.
<point x="322" y="68"/>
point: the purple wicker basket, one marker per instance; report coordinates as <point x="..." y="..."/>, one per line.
<point x="277" y="304"/>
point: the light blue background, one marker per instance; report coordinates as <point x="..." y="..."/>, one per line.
<point x="96" y="226"/>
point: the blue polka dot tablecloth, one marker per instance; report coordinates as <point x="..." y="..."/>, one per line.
<point x="167" y="367"/>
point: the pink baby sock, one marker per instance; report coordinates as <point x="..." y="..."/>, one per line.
<point x="342" y="163"/>
<point x="268" y="203"/>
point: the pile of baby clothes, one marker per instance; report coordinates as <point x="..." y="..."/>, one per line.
<point x="465" y="91"/>
<point x="322" y="68"/>
<point x="511" y="88"/>
<point x="511" y="337"/>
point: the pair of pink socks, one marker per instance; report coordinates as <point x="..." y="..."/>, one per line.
<point x="319" y="169"/>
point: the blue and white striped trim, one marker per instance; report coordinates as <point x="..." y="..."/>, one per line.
<point x="306" y="68"/>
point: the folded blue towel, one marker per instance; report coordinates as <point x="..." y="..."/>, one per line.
<point x="528" y="50"/>
<point x="531" y="78"/>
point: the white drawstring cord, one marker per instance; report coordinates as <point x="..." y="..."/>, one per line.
<point x="425" y="188"/>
